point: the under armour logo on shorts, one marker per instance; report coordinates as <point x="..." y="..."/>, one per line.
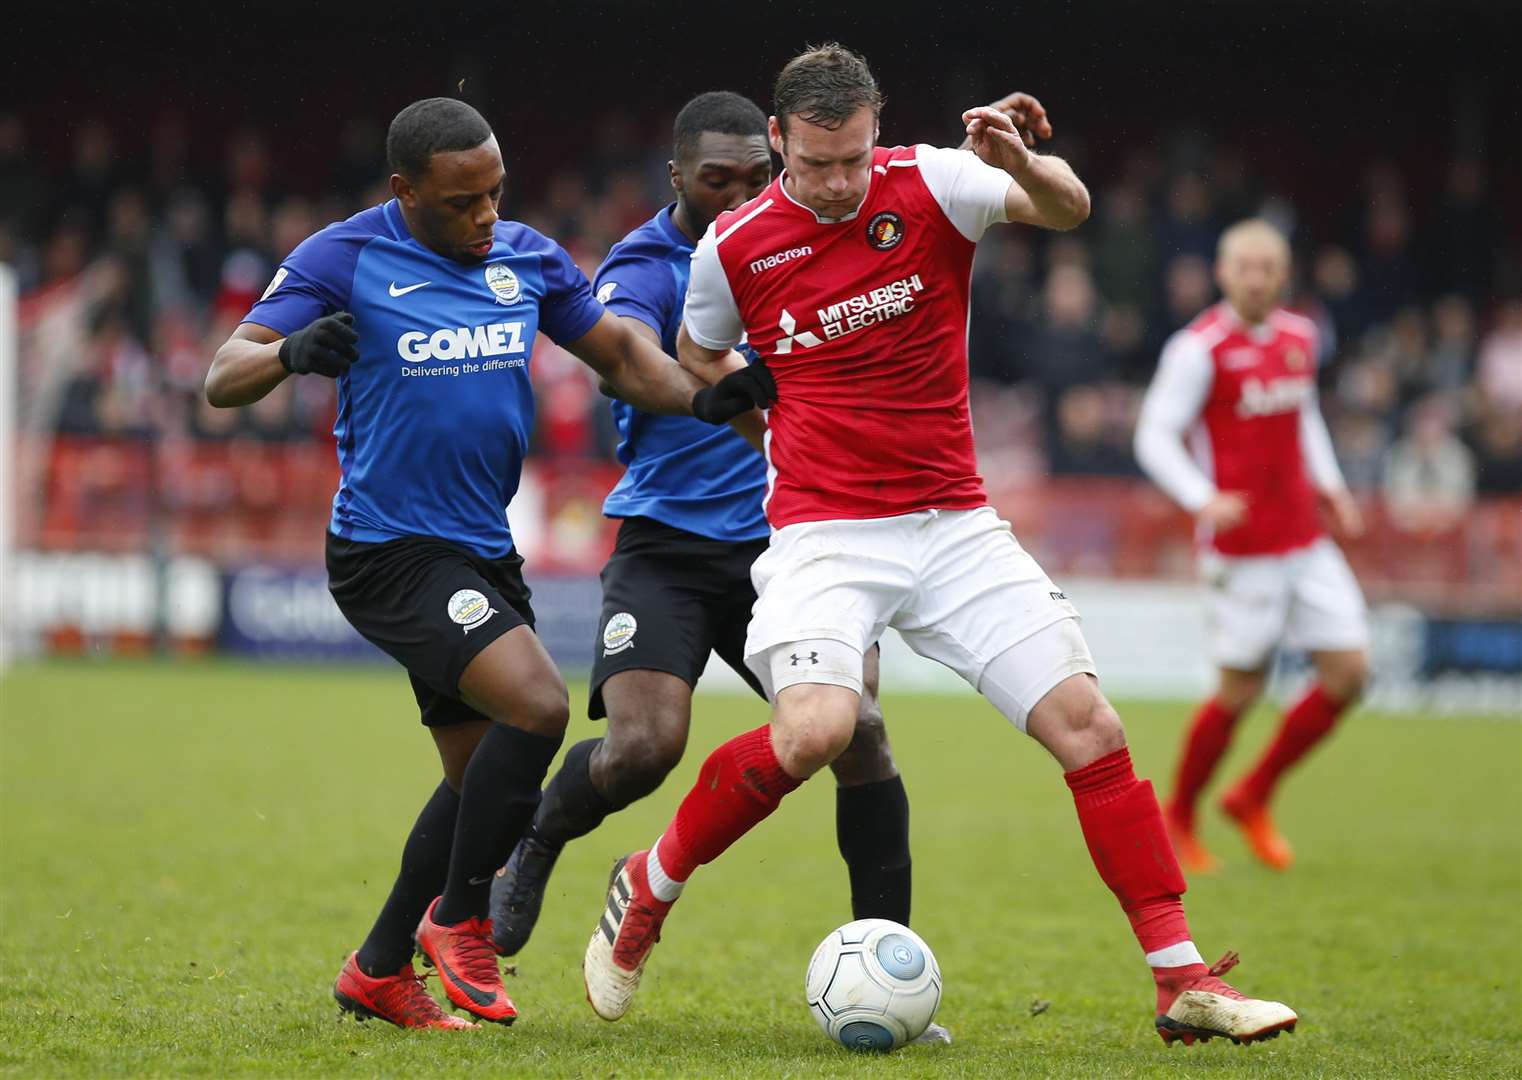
<point x="812" y="658"/>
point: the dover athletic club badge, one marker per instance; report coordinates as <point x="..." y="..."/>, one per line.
<point x="469" y="608"/>
<point x="503" y="283"/>
<point x="618" y="635"/>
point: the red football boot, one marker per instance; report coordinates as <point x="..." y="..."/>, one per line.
<point x="1195" y="1005"/>
<point x="398" y="999"/>
<point x="467" y="965"/>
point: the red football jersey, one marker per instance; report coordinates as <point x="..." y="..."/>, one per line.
<point x="863" y="322"/>
<point x="1261" y="381"/>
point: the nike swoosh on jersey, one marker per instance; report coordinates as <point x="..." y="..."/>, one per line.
<point x="394" y="291"/>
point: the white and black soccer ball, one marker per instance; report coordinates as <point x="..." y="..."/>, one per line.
<point x="873" y="985"/>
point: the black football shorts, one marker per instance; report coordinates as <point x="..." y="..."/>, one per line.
<point x="432" y="606"/>
<point x="669" y="598"/>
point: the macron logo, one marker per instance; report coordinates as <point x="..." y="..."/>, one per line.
<point x="779" y="258"/>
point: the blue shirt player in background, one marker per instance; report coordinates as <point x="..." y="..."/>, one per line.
<point x="678" y="584"/>
<point x="424" y="309"/>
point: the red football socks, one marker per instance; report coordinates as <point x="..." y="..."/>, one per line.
<point x="1305" y="725"/>
<point x="1206" y="742"/>
<point x="740" y="784"/>
<point x="1123" y="827"/>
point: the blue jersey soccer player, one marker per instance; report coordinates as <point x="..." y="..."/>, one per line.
<point x="425" y="310"/>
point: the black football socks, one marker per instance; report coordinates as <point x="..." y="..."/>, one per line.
<point x="497" y="801"/>
<point x="872" y="828"/>
<point x="425" y="864"/>
<point x="572" y="806"/>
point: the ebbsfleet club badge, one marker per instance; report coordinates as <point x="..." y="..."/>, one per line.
<point x="885" y="231"/>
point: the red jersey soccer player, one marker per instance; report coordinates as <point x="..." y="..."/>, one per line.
<point x="1243" y="375"/>
<point x="849" y="275"/>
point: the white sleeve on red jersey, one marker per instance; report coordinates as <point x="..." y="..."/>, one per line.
<point x="711" y="316"/>
<point x="1316" y="445"/>
<point x="969" y="190"/>
<point x="1172" y="406"/>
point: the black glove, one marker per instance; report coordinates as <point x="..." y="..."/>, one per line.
<point x="752" y="387"/>
<point x="325" y="347"/>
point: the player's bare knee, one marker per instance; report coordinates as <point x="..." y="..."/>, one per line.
<point x="812" y="726"/>
<point x="1345" y="678"/>
<point x="1239" y="689"/>
<point x="638" y="754"/>
<point x="1099" y="724"/>
<point x="813" y="747"/>
<point x="636" y="772"/>
<point x="546" y="712"/>
<point x="1075" y="723"/>
<point x="869" y="716"/>
<point x="867" y="758"/>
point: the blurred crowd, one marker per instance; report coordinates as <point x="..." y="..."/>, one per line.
<point x="136" y="260"/>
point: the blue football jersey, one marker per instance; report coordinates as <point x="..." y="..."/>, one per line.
<point x="677" y="470"/>
<point x="434" y="418"/>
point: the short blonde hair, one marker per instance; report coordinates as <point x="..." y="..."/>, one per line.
<point x="1253" y="229"/>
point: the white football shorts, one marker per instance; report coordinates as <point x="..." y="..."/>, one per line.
<point x="1303" y="599"/>
<point x="956" y="584"/>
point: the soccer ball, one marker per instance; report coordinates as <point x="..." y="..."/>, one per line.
<point x="873" y="985"/>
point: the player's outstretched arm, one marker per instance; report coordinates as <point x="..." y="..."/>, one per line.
<point x="640" y="327"/>
<point x="635" y="369"/>
<point x="645" y="377"/>
<point x="713" y="366"/>
<point x="710" y="365"/>
<point x="1046" y="192"/>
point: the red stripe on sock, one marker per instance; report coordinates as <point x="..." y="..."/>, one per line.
<point x="1123" y="827"/>
<point x="1209" y="736"/>
<point x="1309" y="721"/>
<point x="739" y="785"/>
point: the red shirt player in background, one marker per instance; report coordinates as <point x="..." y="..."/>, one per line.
<point x="1241" y="379"/>
<point x="849" y="276"/>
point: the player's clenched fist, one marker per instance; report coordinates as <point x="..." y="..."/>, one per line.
<point x="324" y="346"/>
<point x="752" y="387"/>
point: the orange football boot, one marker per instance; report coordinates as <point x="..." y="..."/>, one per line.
<point x="1263" y="837"/>
<point x="1193" y="856"/>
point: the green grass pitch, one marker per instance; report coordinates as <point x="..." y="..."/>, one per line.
<point x="189" y="852"/>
